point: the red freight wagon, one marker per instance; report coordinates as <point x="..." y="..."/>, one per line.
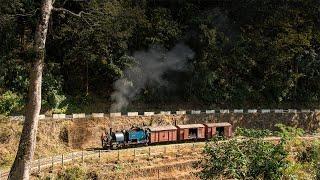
<point x="221" y="129"/>
<point x="191" y="131"/>
<point x="163" y="134"/>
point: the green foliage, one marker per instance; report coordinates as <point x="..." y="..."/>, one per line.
<point x="10" y="102"/>
<point x="6" y="160"/>
<point x="248" y="52"/>
<point x="256" y="158"/>
<point x="252" y="133"/>
<point x="306" y="161"/>
<point x="76" y="172"/>
<point x="287" y="132"/>
<point x="72" y="173"/>
<point x="303" y="171"/>
<point x="253" y="159"/>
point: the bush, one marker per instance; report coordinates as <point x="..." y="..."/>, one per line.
<point x="254" y="133"/>
<point x="252" y="159"/>
<point x="6" y="159"/>
<point x="5" y="135"/>
<point x="10" y="103"/>
<point x="56" y="102"/>
<point x="255" y="158"/>
<point x="72" y="173"/>
<point x="289" y="133"/>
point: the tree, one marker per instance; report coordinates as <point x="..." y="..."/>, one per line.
<point x="21" y="166"/>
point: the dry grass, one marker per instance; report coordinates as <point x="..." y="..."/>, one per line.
<point x="48" y="140"/>
<point x="167" y="160"/>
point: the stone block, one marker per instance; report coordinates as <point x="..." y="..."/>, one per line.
<point x="165" y="112"/>
<point x="252" y="110"/>
<point x="81" y="115"/>
<point x="195" y="112"/>
<point x="238" y="111"/>
<point x="210" y="111"/>
<point x="17" y="118"/>
<point x="305" y="110"/>
<point x="292" y="111"/>
<point x="265" y="110"/>
<point x="42" y="116"/>
<point x="97" y="115"/>
<point x="148" y="113"/>
<point x="133" y="113"/>
<point x="180" y="112"/>
<point x="115" y="114"/>
<point x="224" y="111"/>
<point x="59" y="116"/>
<point x="278" y="111"/>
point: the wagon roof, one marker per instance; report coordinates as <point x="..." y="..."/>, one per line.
<point x="163" y="128"/>
<point x="186" y="126"/>
<point x="222" y="124"/>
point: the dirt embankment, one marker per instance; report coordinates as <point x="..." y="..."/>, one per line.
<point x="51" y="139"/>
<point x="60" y="136"/>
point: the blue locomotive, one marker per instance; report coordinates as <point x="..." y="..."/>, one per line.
<point x="125" y="138"/>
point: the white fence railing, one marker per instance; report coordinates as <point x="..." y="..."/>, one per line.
<point x="180" y="112"/>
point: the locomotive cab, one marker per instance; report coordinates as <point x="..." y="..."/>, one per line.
<point x="136" y="135"/>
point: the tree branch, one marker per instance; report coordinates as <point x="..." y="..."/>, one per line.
<point x="70" y="12"/>
<point x="32" y="13"/>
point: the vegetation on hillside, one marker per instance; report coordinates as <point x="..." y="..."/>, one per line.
<point x="255" y="158"/>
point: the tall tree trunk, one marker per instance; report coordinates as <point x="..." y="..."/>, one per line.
<point x="22" y="163"/>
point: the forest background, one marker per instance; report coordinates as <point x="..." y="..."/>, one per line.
<point x="247" y="53"/>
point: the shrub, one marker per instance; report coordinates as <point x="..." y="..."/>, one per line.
<point x="224" y="160"/>
<point x="56" y="101"/>
<point x="72" y="173"/>
<point x="254" y="133"/>
<point x="5" y="135"/>
<point x="287" y="132"/>
<point x="10" y="103"/>
<point x="252" y="158"/>
<point x="255" y="158"/>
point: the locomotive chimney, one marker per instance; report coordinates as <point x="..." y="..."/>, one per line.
<point x="110" y="131"/>
<point x="175" y="122"/>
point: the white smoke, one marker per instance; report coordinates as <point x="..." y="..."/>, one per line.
<point x="150" y="67"/>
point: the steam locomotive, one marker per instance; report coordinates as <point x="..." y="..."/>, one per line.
<point x="137" y="136"/>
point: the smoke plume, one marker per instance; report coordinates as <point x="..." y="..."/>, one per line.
<point x="150" y="67"/>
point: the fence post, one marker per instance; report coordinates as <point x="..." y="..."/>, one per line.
<point x="52" y="162"/>
<point x="178" y="151"/>
<point x="72" y="156"/>
<point x="134" y="154"/>
<point x="99" y="154"/>
<point x="62" y="160"/>
<point x="158" y="173"/>
<point x="165" y="150"/>
<point x="39" y="165"/>
<point x="149" y="153"/>
<point x="118" y="155"/>
<point x="82" y="157"/>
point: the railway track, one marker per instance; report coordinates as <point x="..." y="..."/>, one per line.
<point x="42" y="163"/>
